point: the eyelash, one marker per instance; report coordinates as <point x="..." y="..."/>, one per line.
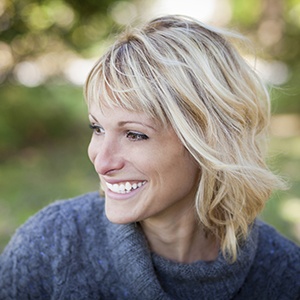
<point x="131" y="135"/>
<point x="97" y="129"/>
<point x="136" y="136"/>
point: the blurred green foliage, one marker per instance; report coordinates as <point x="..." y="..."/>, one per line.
<point x="72" y="22"/>
<point x="44" y="129"/>
<point x="43" y="154"/>
<point x="283" y="208"/>
<point x="30" y="29"/>
<point x="31" y="116"/>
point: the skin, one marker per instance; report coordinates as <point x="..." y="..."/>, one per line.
<point x="130" y="147"/>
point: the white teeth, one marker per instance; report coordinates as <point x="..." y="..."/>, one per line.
<point x="128" y="186"/>
<point x="124" y="187"/>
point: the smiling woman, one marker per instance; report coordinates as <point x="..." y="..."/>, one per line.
<point x="178" y="123"/>
<point x="153" y="159"/>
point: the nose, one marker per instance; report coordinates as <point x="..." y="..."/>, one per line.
<point x="106" y="155"/>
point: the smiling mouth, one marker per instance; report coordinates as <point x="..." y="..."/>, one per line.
<point x="124" y="187"/>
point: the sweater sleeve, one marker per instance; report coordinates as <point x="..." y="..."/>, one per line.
<point x="26" y="264"/>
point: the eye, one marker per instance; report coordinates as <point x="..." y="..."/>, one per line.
<point x="136" y="136"/>
<point x="97" y="129"/>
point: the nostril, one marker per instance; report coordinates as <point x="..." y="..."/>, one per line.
<point x="106" y="154"/>
<point x="106" y="163"/>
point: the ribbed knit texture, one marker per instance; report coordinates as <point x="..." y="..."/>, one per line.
<point x="69" y="250"/>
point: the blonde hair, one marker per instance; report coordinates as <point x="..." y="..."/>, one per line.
<point x="189" y="75"/>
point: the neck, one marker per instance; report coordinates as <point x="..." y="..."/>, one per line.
<point x="180" y="239"/>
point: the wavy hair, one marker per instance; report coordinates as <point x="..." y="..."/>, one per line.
<point x="190" y="75"/>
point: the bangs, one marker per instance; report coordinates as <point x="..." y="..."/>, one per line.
<point x="124" y="78"/>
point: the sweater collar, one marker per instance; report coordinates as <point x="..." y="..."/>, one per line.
<point x="149" y="276"/>
<point x="132" y="260"/>
<point x="208" y="280"/>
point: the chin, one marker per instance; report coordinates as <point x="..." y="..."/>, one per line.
<point x="118" y="217"/>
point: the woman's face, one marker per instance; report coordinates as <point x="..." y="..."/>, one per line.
<point x="143" y="167"/>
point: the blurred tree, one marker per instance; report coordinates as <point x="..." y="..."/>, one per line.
<point x="31" y="28"/>
<point x="275" y="26"/>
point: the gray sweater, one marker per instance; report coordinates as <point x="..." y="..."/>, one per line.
<point x="69" y="250"/>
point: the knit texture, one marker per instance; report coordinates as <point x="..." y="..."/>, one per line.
<point x="69" y="250"/>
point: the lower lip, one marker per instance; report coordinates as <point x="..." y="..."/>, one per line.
<point x="125" y="196"/>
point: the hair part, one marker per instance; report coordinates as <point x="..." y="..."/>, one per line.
<point x="189" y="75"/>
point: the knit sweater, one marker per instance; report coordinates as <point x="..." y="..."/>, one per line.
<point x="69" y="250"/>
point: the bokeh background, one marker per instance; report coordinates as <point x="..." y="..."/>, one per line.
<point x="46" y="50"/>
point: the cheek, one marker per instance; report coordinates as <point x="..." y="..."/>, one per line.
<point x="174" y="167"/>
<point x="186" y="170"/>
<point x="91" y="152"/>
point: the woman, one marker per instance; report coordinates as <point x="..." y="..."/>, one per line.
<point x="179" y="120"/>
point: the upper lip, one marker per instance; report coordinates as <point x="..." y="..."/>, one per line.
<point x="113" y="181"/>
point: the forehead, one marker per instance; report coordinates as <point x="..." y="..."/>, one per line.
<point x="121" y="115"/>
<point x="107" y="98"/>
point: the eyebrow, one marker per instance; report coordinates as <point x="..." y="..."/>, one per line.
<point x="122" y="123"/>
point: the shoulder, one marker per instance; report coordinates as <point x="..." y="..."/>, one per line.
<point x="45" y="244"/>
<point x="62" y="219"/>
<point x="272" y="244"/>
<point x="87" y="204"/>
<point x="81" y="208"/>
<point x="275" y="272"/>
